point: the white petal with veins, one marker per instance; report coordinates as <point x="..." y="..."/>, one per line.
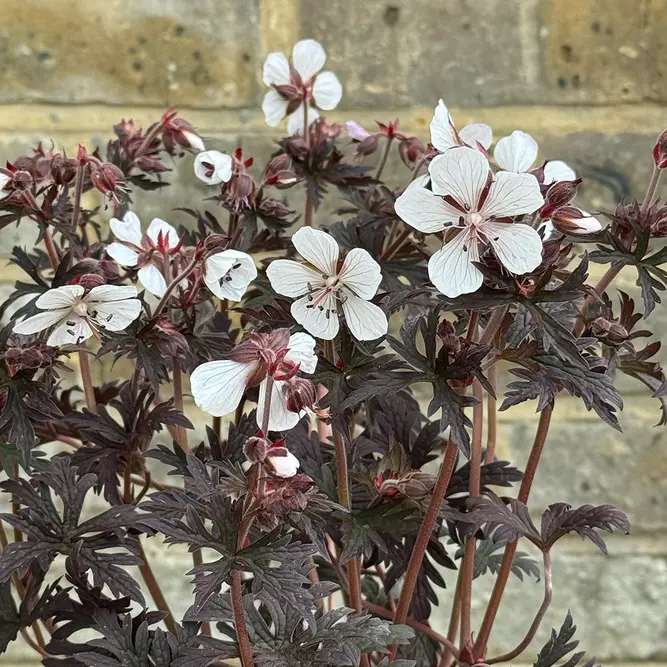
<point x="557" y="170"/>
<point x="461" y="173"/>
<point x="291" y="278"/>
<point x="71" y="331"/>
<point x="276" y="70"/>
<point x="320" y="320"/>
<point x="152" y="279"/>
<point x="512" y="194"/>
<point x="60" y="297"/>
<point x="122" y="254"/>
<point x="518" y="247"/>
<point x="423" y="209"/>
<point x="39" y="322"/>
<point x="280" y="418"/>
<point x="317" y="248"/>
<point x="477" y="133"/>
<point x="365" y="320"/>
<point x="295" y="120"/>
<point x="361" y="273"/>
<point x="327" y="91"/>
<point x="274" y="106"/>
<point x="516" y="153"/>
<point x="442" y="134"/>
<point x="301" y="350"/>
<point x="217" y="386"/>
<point x="308" y="58"/>
<point x="451" y="268"/>
<point x="128" y="229"/>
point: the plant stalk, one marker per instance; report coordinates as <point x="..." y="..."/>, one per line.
<point x="87" y="381"/>
<point x="178" y="402"/>
<point x="78" y="191"/>
<point x="383" y="159"/>
<point x="155" y="590"/>
<point x="51" y="250"/>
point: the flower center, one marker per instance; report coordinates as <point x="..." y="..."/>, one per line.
<point x="80" y="309"/>
<point x="474" y="219"/>
<point x="319" y="295"/>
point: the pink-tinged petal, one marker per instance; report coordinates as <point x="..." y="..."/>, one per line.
<point x="356" y="131"/>
<point x="280" y="418"/>
<point x="461" y="173"/>
<point x="451" y="268"/>
<point x="361" y="273"/>
<point x="364" y="319"/>
<point x="152" y="279"/>
<point x="308" y="58"/>
<point x="295" y="120"/>
<point x="229" y="273"/>
<point x="423" y="209"/>
<point x="442" y="133"/>
<point x="115" y="315"/>
<point x="284" y="466"/>
<point x="60" y="297"/>
<point x="71" y="331"/>
<point x="572" y="221"/>
<point x="518" y="247"/>
<point x="512" y="194"/>
<point x="276" y="70"/>
<point x="159" y="226"/>
<point x="301" y="350"/>
<point x="557" y="170"/>
<point x="104" y="293"/>
<point x="516" y="153"/>
<point x="318" y="248"/>
<point x="317" y="314"/>
<point x="477" y="133"/>
<point x="39" y="322"/>
<point x="274" y="106"/>
<point x="221" y="170"/>
<point x="327" y="91"/>
<point x="122" y="254"/>
<point x="217" y="386"/>
<point x="291" y="278"/>
<point x="128" y="229"/>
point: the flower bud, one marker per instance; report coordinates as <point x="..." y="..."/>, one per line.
<point x="63" y="170"/>
<point x="299" y="394"/>
<point x="88" y="280"/>
<point x="256" y="449"/>
<point x="151" y="165"/>
<point x="416" y="484"/>
<point x="559" y="194"/>
<point x="368" y="146"/>
<point x="609" y="332"/>
<point x="450" y="341"/>
<point x="282" y="462"/>
<point x="170" y="341"/>
<point x="30" y="356"/>
<point x="274" y="209"/>
<point x="125" y="129"/>
<point x="410" y="150"/>
<point x="571" y="220"/>
<point x="660" y="151"/>
<point x="279" y="172"/>
<point x="109" y="180"/>
<point x="239" y="192"/>
<point x="21" y="180"/>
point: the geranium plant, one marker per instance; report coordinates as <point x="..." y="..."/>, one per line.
<point x="347" y="372"/>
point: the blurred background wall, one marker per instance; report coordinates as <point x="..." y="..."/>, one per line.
<point x="587" y="78"/>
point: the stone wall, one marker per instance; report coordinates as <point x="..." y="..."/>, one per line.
<point x="585" y="77"/>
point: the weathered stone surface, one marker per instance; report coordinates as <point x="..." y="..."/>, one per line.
<point x="171" y="52"/>
<point x="421" y="50"/>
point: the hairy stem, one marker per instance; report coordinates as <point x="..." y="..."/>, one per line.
<point x="51" y="249"/>
<point x="87" y="381"/>
<point x="455" y="617"/>
<point x="537" y="621"/>
<point x="423" y="536"/>
<point x="510" y="549"/>
<point x="178" y="402"/>
<point x="383" y="159"/>
<point x="155" y="590"/>
<point x="492" y="417"/>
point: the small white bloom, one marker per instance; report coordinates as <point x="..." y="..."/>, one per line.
<point x="444" y="134"/>
<point x="77" y="315"/>
<point x="228" y="273"/>
<point x="517" y="153"/>
<point x="299" y="84"/>
<point x="194" y="140"/>
<point x="462" y="198"/>
<point x="319" y="288"/>
<point x="213" y="167"/>
<point x="284" y="466"/>
<point x="134" y="249"/>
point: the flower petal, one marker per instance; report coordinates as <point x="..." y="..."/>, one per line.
<point x="60" y="297"/>
<point x="284" y="466"/>
<point x="280" y="418"/>
<point x="103" y="293"/>
<point x="159" y="226"/>
<point x="291" y="278"/>
<point x="461" y="173"/>
<point x="356" y="131"/>
<point x="152" y="279"/>
<point x="557" y="170"/>
<point x="571" y="220"/>
<point x="128" y="229"/>
<point x="361" y="273"/>
<point x="301" y="350"/>
<point x="213" y="167"/>
<point x="39" y="322"/>
<point x="518" y="247"/>
<point x="327" y="91"/>
<point x="423" y="209"/>
<point x="217" y="386"/>
<point x="228" y="274"/>
<point x="295" y="120"/>
<point x="320" y="320"/>
<point x="516" y="153"/>
<point x="318" y="248"/>
<point x="276" y="70"/>
<point x="365" y="320"/>
<point x="477" y="133"/>
<point x="115" y="315"/>
<point x="70" y="332"/>
<point x="122" y="254"/>
<point x="443" y="136"/>
<point x="308" y="58"/>
<point x="451" y="268"/>
<point x="512" y="194"/>
<point x="274" y="106"/>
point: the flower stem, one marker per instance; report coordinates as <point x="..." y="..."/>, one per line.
<point x="454" y="619"/>
<point x="51" y="249"/>
<point x="510" y="549"/>
<point x="383" y="159"/>
<point x="537" y="621"/>
<point x="417" y="168"/>
<point x="87" y="381"/>
<point x="492" y="417"/>
<point x="172" y="286"/>
<point x="155" y="590"/>
<point x="78" y="191"/>
<point x="178" y="402"/>
<point x="423" y="537"/>
<point x="650" y="191"/>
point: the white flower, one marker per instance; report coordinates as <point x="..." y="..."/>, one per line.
<point x="78" y="315"/>
<point x="461" y="197"/>
<point x="195" y="141"/>
<point x="444" y="134"/>
<point x="135" y="249"/>
<point x="213" y="167"/>
<point x="299" y="84"/>
<point x="228" y="273"/>
<point x="284" y="466"/>
<point x="4" y="179"/>
<point x="318" y="289"/>
<point x="517" y="153"/>
<point x="218" y="386"/>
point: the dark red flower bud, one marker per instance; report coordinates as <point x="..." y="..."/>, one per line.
<point x="211" y="244"/>
<point x="416" y="484"/>
<point x="63" y="169"/>
<point x="170" y="341"/>
<point x="279" y="173"/>
<point x="299" y="394"/>
<point x="88" y="280"/>
<point x="660" y="151"/>
<point x="180" y="132"/>
<point x="368" y="146"/>
<point x="608" y="331"/>
<point x="411" y="150"/>
<point x="109" y="180"/>
<point x="256" y="449"/>
<point x="274" y="209"/>
<point x="30" y="357"/>
<point x="450" y="341"/>
<point x="559" y="194"/>
<point x="21" y="180"/>
<point x="125" y="129"/>
<point x="151" y="165"/>
<point x="108" y="269"/>
<point x="239" y="192"/>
